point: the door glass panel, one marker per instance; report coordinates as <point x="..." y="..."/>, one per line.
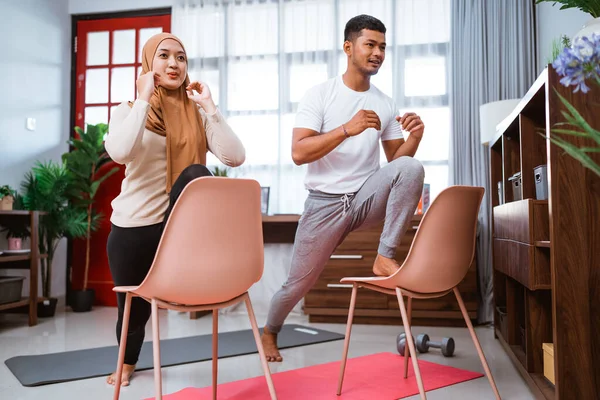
<point x="96" y="115"/>
<point x="123" y="51"/>
<point x="96" y="85"/>
<point x="122" y="85"/>
<point x="146" y="34"/>
<point x="97" y="48"/>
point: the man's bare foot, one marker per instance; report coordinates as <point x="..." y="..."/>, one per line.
<point x="269" y="342"/>
<point x="384" y="266"/>
<point x="125" y="376"/>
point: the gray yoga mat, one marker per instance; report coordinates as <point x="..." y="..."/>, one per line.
<point x="44" y="369"/>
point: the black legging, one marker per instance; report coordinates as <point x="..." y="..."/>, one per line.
<point x="131" y="252"/>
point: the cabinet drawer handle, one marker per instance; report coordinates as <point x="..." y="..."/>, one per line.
<point x="339" y="285"/>
<point x="346" y="257"/>
<point x="415" y="227"/>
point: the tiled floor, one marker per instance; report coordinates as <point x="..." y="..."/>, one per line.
<point x="69" y="331"/>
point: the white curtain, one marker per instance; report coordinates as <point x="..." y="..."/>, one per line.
<point x="260" y="56"/>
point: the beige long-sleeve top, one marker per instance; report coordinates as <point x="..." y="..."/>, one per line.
<point x="143" y="199"/>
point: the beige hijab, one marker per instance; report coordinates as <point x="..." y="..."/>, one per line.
<point x="174" y="115"/>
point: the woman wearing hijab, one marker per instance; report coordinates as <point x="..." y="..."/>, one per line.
<point x="162" y="138"/>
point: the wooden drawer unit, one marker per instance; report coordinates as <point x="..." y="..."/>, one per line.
<point x="528" y="265"/>
<point x="521" y="239"/>
<point x="524" y="221"/>
<point x="328" y="300"/>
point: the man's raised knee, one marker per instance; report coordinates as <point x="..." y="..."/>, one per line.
<point x="411" y="167"/>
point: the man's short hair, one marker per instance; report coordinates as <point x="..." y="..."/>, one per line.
<point x="360" y="22"/>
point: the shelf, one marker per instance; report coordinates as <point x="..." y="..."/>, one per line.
<point x="20" y="212"/>
<point x="6" y="258"/>
<point x="542" y="243"/>
<point x="23" y="257"/>
<point x="537" y="382"/>
<point x="21" y="303"/>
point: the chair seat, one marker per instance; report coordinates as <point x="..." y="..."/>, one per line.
<point x="383" y="284"/>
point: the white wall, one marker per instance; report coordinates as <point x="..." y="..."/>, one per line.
<point x="35" y="82"/>
<point x="103" y="6"/>
<point x="552" y="22"/>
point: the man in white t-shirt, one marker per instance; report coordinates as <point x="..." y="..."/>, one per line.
<point x="338" y="128"/>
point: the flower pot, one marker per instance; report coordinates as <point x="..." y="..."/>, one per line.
<point x="15" y="243"/>
<point x="47" y="308"/>
<point x="6" y="203"/>
<point x="592" y="26"/>
<point x="82" y="300"/>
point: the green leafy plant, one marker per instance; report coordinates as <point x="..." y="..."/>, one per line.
<point x="7" y="191"/>
<point x="224" y="171"/>
<point x="83" y="164"/>
<point x="558" y="45"/>
<point x="591" y="7"/>
<point x="15" y="228"/>
<point x="576" y="65"/>
<point x="45" y="188"/>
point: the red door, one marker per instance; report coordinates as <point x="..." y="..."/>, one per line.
<point x="108" y="59"/>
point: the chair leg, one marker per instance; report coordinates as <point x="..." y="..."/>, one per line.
<point x="215" y="354"/>
<point x="476" y="342"/>
<point x="347" y="339"/>
<point x="406" y="354"/>
<point x="156" y="351"/>
<point x="261" y="351"/>
<point x="122" y="345"/>
<point x="410" y="343"/>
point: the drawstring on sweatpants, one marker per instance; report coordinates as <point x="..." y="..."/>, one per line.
<point x="346" y="200"/>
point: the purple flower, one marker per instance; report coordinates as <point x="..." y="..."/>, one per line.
<point x="580" y="62"/>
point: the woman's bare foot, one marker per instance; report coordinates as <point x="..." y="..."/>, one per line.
<point x="384" y="266"/>
<point x="125" y="376"/>
<point x="269" y="342"/>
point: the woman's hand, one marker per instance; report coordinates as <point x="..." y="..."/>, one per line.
<point x="145" y="85"/>
<point x="200" y="94"/>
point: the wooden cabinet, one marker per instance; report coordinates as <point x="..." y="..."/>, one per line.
<point x="328" y="300"/>
<point x="545" y="254"/>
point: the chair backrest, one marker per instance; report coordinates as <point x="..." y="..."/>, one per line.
<point x="212" y="247"/>
<point x="444" y="245"/>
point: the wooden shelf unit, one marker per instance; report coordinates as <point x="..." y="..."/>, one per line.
<point x="546" y="269"/>
<point x="30" y="261"/>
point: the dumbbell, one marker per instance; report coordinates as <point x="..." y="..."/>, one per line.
<point x="447" y="345"/>
<point x="401" y="343"/>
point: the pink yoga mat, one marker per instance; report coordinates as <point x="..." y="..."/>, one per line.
<point x="378" y="376"/>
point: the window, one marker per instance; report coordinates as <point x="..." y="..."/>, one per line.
<point x="259" y="61"/>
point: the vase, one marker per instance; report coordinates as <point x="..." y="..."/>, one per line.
<point x="15" y="243"/>
<point x="592" y="26"/>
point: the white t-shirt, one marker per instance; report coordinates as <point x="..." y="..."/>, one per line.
<point x="331" y="104"/>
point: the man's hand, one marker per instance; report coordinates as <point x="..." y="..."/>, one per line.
<point x="412" y="123"/>
<point x="362" y="120"/>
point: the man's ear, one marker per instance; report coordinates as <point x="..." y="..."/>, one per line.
<point x="348" y="47"/>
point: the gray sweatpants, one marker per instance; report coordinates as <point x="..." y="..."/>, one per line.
<point x="391" y="195"/>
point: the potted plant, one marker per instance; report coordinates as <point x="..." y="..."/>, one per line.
<point x="7" y="197"/>
<point x="591" y="7"/>
<point x="83" y="163"/>
<point x="16" y="231"/>
<point x="220" y="171"/>
<point x="577" y="65"/>
<point x="45" y="189"/>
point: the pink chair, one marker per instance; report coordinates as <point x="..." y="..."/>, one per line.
<point x="437" y="262"/>
<point x="210" y="254"/>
